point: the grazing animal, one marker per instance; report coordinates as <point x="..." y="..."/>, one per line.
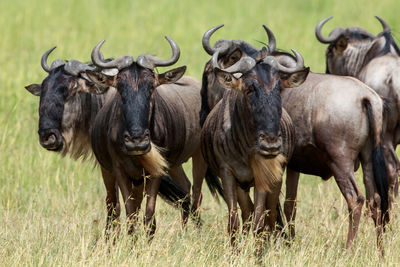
<point x="339" y="123"/>
<point x="375" y="61"/>
<point x="243" y="140"/>
<point x="151" y="124"/>
<point x="212" y="92"/>
<point x="66" y="114"/>
<point x="335" y="129"/>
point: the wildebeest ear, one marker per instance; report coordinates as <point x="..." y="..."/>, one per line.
<point x="294" y="79"/>
<point x="170" y="76"/>
<point x="228" y="80"/>
<point x="34" y="89"/>
<point x="341" y="44"/>
<point x="100" y="82"/>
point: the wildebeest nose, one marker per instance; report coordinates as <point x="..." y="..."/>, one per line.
<point x="269" y="137"/>
<point x="49" y="140"/>
<point x="136" y="136"/>
<point x="127" y="137"/>
<point x="137" y="144"/>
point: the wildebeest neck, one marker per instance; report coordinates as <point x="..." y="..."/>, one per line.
<point x="361" y="49"/>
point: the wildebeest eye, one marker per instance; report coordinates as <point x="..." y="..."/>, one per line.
<point x="234" y="58"/>
<point x="227" y="78"/>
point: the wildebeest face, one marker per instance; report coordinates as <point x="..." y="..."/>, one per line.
<point x="261" y="87"/>
<point x="136" y="86"/>
<point x="55" y="92"/>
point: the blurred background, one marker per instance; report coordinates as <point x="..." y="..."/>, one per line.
<point x="52" y="209"/>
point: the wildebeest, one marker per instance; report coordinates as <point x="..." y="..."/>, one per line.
<point x="375" y="61"/>
<point x="337" y="121"/>
<point x="66" y="114"/>
<point x="245" y="139"/>
<point x="150" y="124"/>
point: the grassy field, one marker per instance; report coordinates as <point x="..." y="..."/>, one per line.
<point x="52" y="209"/>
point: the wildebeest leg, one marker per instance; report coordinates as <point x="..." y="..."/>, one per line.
<point x="246" y="206"/>
<point x="181" y="179"/>
<point x="292" y="182"/>
<point x="392" y="166"/>
<point x="343" y="172"/>
<point x="373" y="198"/>
<point x="199" y="171"/>
<point x="132" y="195"/>
<point x="229" y="186"/>
<point x="396" y="179"/>
<point x="260" y="197"/>
<point x="270" y="206"/>
<point x="112" y="202"/>
<point x="152" y="186"/>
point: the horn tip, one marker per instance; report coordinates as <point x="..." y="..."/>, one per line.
<point x="325" y="20"/>
<point x="297" y="54"/>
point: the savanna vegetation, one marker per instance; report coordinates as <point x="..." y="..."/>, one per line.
<point x="52" y="209"/>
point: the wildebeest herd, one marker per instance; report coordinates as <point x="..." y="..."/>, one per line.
<point x="255" y="113"/>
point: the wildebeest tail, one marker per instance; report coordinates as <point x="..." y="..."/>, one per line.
<point x="214" y="184"/>
<point x="173" y="194"/>
<point x="378" y="161"/>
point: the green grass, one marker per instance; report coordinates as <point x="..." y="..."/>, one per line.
<point x="52" y="209"/>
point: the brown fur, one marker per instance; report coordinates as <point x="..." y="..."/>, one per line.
<point x="267" y="172"/>
<point x="153" y="162"/>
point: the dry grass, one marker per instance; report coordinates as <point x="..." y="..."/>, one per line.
<point x="52" y="210"/>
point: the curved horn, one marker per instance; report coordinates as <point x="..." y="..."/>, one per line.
<point x="74" y="67"/>
<point x="214" y="60"/>
<point x="271" y="39"/>
<point x="119" y="63"/>
<point x="385" y="25"/>
<point x="332" y="37"/>
<point x="150" y="62"/>
<point x="43" y="61"/>
<point x="272" y="61"/>
<point x="206" y="39"/>
<point x="245" y="64"/>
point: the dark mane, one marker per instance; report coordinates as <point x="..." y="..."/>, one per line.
<point x="279" y="52"/>
<point x="247" y="48"/>
<point x="389" y="38"/>
<point x="85" y="107"/>
<point x="205" y="109"/>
